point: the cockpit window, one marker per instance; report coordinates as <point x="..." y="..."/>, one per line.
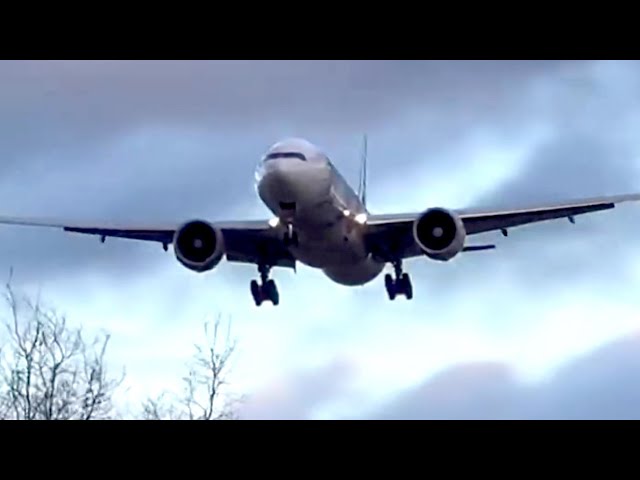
<point x="297" y="155"/>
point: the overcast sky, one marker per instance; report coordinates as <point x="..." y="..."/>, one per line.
<point x="544" y="326"/>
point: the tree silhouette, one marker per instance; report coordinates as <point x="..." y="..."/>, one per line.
<point x="48" y="370"/>
<point x="203" y="395"/>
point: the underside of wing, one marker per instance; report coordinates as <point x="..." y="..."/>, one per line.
<point x="480" y="221"/>
<point x="393" y="235"/>
<point x="252" y="241"/>
<point x="257" y="247"/>
<point x="156" y="233"/>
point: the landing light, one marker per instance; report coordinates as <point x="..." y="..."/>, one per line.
<point x="274" y="222"/>
<point x="347" y="213"/>
<point x="361" y="218"/>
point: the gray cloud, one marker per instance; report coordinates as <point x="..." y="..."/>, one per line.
<point x="589" y="151"/>
<point x="551" y="254"/>
<point x="67" y="105"/>
<point x="574" y="164"/>
<point x="166" y="141"/>
<point x="100" y="95"/>
<point x="147" y="141"/>
<point x="144" y="185"/>
<point x="477" y="391"/>
<point x="296" y="396"/>
<point x="600" y="385"/>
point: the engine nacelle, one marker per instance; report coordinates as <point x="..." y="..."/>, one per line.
<point x="198" y="246"/>
<point x="440" y="234"/>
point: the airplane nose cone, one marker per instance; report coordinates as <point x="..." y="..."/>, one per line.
<point x="289" y="184"/>
<point x="280" y="180"/>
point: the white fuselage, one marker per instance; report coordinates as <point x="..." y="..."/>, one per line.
<point x="301" y="187"/>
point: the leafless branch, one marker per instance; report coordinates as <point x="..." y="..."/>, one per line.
<point x="50" y="370"/>
<point x="47" y="369"/>
<point x="203" y="385"/>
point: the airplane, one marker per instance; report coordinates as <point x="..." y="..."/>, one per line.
<point x="319" y="220"/>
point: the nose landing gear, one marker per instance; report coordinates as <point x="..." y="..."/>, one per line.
<point x="400" y="285"/>
<point x="290" y="237"/>
<point x="266" y="289"/>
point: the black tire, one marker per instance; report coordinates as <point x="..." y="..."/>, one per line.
<point x="407" y="288"/>
<point x="256" y="293"/>
<point x="271" y="292"/>
<point x="391" y="286"/>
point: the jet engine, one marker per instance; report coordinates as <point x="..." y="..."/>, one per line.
<point x="440" y="234"/>
<point x="198" y="246"/>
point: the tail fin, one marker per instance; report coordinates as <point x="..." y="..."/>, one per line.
<point x="362" y="188"/>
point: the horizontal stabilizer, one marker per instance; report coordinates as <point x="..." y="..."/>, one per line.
<point x="478" y="248"/>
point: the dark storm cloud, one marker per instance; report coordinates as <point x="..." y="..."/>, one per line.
<point x="147" y="141"/>
<point x="600" y="385"/>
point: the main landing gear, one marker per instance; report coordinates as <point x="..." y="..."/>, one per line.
<point x="266" y="290"/>
<point x="400" y="285"/>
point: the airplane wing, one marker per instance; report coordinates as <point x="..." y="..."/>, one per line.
<point x="388" y="236"/>
<point x="251" y="241"/>
<point x="393" y="234"/>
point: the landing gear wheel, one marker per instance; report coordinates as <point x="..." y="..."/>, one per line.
<point x="407" y="288"/>
<point x="271" y="292"/>
<point x="265" y="290"/>
<point x="400" y="285"/>
<point x="390" y="285"/>
<point x="256" y="293"/>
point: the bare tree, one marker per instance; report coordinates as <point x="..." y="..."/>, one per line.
<point x="203" y="396"/>
<point x="48" y="371"/>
